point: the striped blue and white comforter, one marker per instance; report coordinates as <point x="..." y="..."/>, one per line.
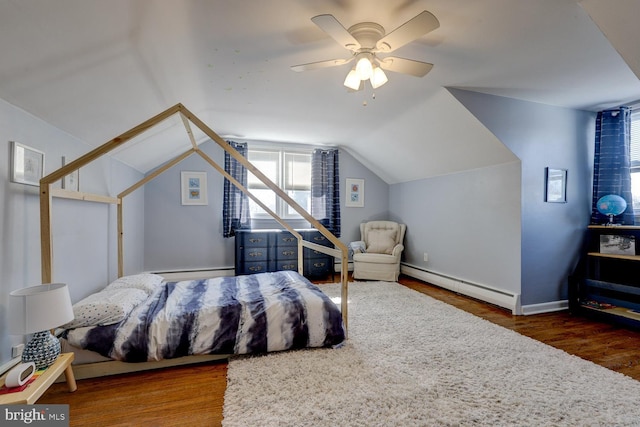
<point x="225" y="315"/>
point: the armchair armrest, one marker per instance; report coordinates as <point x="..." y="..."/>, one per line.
<point x="397" y="250"/>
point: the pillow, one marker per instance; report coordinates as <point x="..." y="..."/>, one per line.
<point x="147" y="282"/>
<point x="105" y="307"/>
<point x="381" y="241"/>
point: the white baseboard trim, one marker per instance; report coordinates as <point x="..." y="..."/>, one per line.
<point x="545" y="307"/>
<point x="486" y="293"/>
<point x="338" y="266"/>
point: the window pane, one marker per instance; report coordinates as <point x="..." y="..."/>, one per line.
<point x="267" y="197"/>
<point x="303" y="198"/>
<point x="297" y="171"/>
<point x="635" y="191"/>
<point x="267" y="163"/>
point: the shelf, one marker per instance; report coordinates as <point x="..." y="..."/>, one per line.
<point x="615" y="256"/>
<point x="614" y="227"/>
<point x="615" y="311"/>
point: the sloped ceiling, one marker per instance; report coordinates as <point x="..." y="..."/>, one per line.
<point x="95" y="68"/>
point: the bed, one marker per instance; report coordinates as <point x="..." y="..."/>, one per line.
<point x="104" y="341"/>
<point x="142" y="318"/>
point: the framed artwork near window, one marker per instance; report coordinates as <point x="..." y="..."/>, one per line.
<point x="194" y="188"/>
<point x="71" y="181"/>
<point x="555" y="190"/>
<point x="355" y="193"/>
<point x="27" y="164"/>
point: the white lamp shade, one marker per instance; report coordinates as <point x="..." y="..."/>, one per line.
<point x="352" y="81"/>
<point x="364" y="68"/>
<point x="378" y="78"/>
<point x="39" y="308"/>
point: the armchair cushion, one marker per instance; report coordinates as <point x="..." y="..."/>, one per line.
<point x="381" y="241"/>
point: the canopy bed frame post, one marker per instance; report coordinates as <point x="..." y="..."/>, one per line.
<point x="120" y="208"/>
<point x="46" y="235"/>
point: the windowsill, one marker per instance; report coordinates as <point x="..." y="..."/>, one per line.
<point x="269" y="223"/>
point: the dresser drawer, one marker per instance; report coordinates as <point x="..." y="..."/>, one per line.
<point x="284" y="264"/>
<point x="318" y="267"/>
<point x="252" y="240"/>
<point x="253" y="267"/>
<point x="285" y="239"/>
<point x="256" y="254"/>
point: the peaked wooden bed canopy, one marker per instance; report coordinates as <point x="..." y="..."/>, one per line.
<point x="47" y="192"/>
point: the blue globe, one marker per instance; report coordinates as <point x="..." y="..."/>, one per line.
<point x="611" y="204"/>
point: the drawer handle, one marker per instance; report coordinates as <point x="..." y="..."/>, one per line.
<point x="289" y="266"/>
<point x="319" y="264"/>
<point x="288" y="252"/>
<point x="256" y="268"/>
<point x="319" y="238"/>
<point x="255" y="253"/>
<point x="255" y="240"/>
<point x="288" y="239"/>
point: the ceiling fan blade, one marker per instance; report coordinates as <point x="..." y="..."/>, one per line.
<point x="405" y="66"/>
<point x="321" y="64"/>
<point x="331" y="26"/>
<point x="414" y="28"/>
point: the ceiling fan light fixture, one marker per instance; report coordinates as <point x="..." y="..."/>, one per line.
<point x="364" y="68"/>
<point x="378" y="78"/>
<point x="352" y="81"/>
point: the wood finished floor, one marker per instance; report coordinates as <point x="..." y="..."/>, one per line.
<point x="194" y="395"/>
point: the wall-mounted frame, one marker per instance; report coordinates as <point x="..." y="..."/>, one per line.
<point x="71" y="181"/>
<point x="27" y="164"/>
<point x="194" y="188"/>
<point x="354" y="197"/>
<point x="555" y="190"/>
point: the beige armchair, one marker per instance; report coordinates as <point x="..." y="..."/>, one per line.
<point x="383" y="242"/>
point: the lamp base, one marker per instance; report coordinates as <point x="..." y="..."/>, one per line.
<point x="43" y="350"/>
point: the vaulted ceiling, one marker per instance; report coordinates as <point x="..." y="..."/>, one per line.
<point x="95" y="68"/>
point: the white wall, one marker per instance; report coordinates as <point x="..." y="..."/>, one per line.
<point x="468" y="223"/>
<point x="190" y="237"/>
<point x="84" y="234"/>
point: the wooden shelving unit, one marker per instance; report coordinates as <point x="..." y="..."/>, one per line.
<point x="606" y="283"/>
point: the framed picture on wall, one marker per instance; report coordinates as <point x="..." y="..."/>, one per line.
<point x="27" y="164"/>
<point x="71" y="181"/>
<point x="355" y="193"/>
<point x="194" y="188"/>
<point x="555" y="190"/>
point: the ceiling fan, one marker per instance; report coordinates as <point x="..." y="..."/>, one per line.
<point x="366" y="40"/>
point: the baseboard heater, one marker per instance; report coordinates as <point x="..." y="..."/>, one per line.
<point x="491" y="295"/>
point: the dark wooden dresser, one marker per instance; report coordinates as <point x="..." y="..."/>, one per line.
<point x="259" y="251"/>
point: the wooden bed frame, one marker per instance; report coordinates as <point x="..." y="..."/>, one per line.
<point x="47" y="193"/>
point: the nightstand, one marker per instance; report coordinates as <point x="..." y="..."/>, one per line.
<point x="42" y="383"/>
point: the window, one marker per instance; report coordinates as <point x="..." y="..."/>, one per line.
<point x="635" y="160"/>
<point x="290" y="170"/>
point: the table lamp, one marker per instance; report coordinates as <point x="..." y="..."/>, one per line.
<point x="37" y="310"/>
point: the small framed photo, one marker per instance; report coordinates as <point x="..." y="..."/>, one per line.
<point x="354" y="193"/>
<point x="71" y="181"/>
<point x="555" y="190"/>
<point x="617" y="244"/>
<point x="194" y="188"/>
<point x="27" y="164"/>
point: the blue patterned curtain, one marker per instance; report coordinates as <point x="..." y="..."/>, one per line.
<point x="325" y="189"/>
<point x="612" y="162"/>
<point x="235" y="208"/>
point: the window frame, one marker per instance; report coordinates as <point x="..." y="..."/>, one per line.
<point x="281" y="207"/>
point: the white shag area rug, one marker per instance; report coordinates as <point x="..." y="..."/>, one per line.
<point x="411" y="360"/>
